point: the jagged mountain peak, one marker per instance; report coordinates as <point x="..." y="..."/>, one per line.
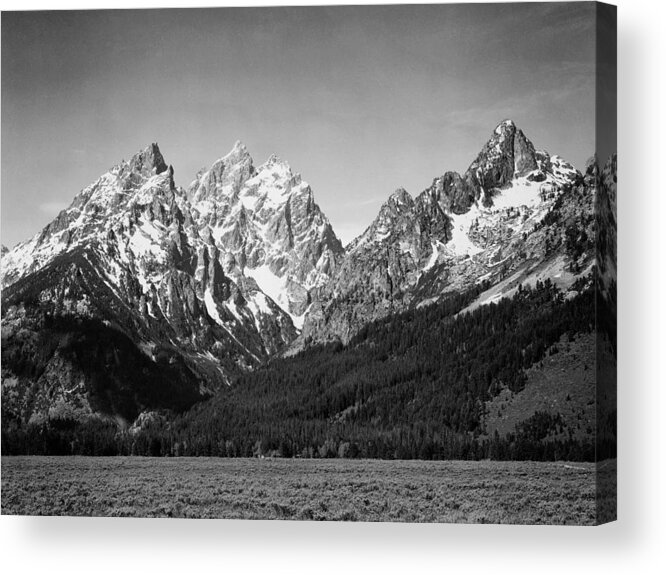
<point x="395" y="213"/>
<point x="277" y="167"/>
<point x="505" y="126"/>
<point x="400" y="197"/>
<point x="234" y="269"/>
<point x="506" y="136"/>
<point x="128" y="250"/>
<point x="148" y="161"/>
<point x="397" y="204"/>
<point x="273" y="159"/>
<point x="132" y="193"/>
<point x="267" y="225"/>
<point x="225" y="177"/>
<point x="225" y="273"/>
<point x="238" y="152"/>
<point x="481" y="224"/>
<point x="507" y="154"/>
<point x="238" y="156"/>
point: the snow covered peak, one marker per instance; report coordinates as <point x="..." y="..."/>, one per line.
<point x="273" y="183"/>
<point x="505" y="126"/>
<point x="237" y="153"/>
<point x="489" y="225"/>
<point x="277" y="166"/>
<point x="130" y="195"/>
<point x="400" y="199"/>
<point x="225" y="177"/>
<point x="267" y="226"/>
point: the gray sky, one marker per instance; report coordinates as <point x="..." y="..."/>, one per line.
<point x="359" y="100"/>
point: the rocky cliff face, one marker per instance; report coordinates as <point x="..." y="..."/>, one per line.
<point x="269" y="227"/>
<point x="503" y="222"/>
<point x="205" y="281"/>
<point x="508" y="154"/>
<point x="143" y="294"/>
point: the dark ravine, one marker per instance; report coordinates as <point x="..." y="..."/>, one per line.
<point x="144" y="298"/>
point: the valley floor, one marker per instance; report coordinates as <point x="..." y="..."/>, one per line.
<point x="329" y="489"/>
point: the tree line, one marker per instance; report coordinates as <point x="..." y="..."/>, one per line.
<point x="412" y="385"/>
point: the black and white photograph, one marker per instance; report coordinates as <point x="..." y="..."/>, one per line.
<point x="311" y="263"/>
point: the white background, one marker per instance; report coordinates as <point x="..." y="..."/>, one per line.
<point x="635" y="543"/>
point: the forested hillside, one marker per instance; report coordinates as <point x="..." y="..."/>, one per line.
<point x="412" y="385"/>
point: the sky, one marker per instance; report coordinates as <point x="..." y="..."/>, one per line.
<point x="360" y="100"/>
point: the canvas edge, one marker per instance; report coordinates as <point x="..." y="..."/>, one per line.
<point x="606" y="308"/>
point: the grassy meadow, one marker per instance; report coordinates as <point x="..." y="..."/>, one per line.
<point x="301" y="489"/>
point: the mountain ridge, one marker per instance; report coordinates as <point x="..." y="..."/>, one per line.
<point x="242" y="266"/>
<point x="455" y="232"/>
<point x="131" y="251"/>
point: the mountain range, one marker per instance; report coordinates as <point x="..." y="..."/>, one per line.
<point x="144" y="295"/>
<point x="488" y="225"/>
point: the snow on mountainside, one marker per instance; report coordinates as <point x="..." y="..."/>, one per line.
<point x="141" y="282"/>
<point x="510" y="218"/>
<point x="211" y="278"/>
<point x="266" y="221"/>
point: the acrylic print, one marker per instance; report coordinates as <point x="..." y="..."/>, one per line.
<point x="388" y="294"/>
